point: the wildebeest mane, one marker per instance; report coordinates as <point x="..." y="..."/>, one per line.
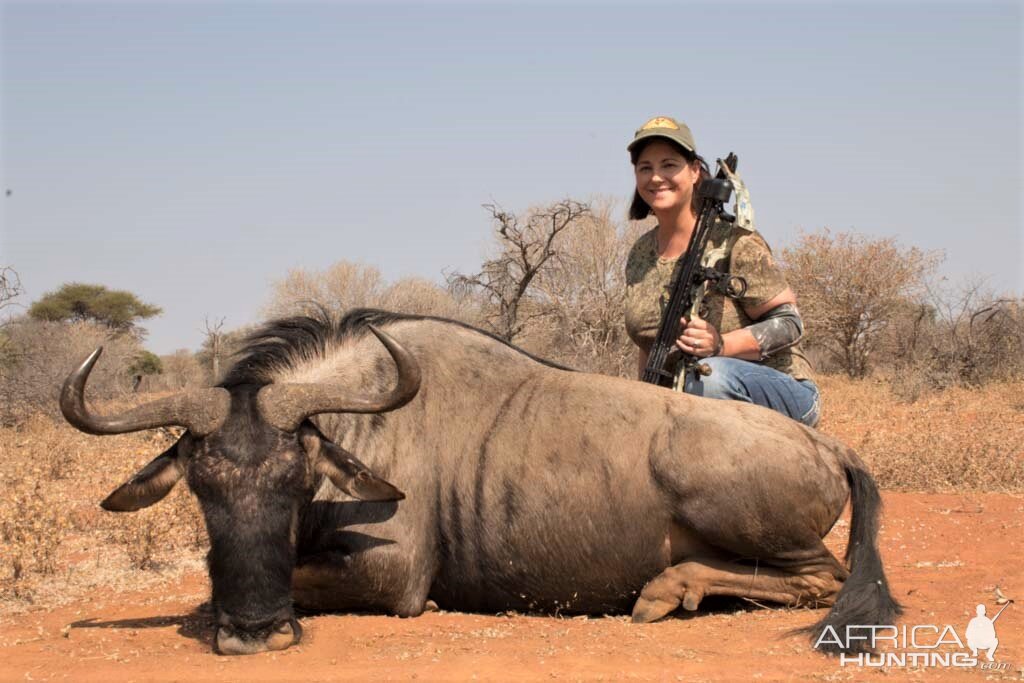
<point x="284" y="343"/>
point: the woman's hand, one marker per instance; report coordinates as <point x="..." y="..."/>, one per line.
<point x="699" y="338"/>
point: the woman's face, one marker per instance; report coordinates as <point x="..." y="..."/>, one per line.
<point x="663" y="177"/>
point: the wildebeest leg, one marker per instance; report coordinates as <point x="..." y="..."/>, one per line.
<point x="691" y="581"/>
<point x="336" y="581"/>
<point x="358" y="556"/>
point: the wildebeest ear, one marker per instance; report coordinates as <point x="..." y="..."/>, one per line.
<point x="150" y="484"/>
<point x="344" y="469"/>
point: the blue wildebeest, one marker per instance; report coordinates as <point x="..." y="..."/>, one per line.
<point x="527" y="486"/>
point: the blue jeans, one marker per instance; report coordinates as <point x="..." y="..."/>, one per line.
<point x="740" y="380"/>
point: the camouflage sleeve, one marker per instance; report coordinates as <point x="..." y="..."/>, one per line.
<point x="752" y="260"/>
<point x="777" y="329"/>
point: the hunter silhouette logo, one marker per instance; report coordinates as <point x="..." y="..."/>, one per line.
<point x="981" y="632"/>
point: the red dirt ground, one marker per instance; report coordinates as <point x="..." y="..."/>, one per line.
<point x="944" y="554"/>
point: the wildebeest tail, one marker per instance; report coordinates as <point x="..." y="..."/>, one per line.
<point x="865" y="598"/>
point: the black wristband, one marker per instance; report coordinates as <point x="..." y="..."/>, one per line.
<point x="720" y="346"/>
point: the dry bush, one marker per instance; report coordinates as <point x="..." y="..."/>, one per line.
<point x="961" y="336"/>
<point x="140" y="534"/>
<point x="40" y="356"/>
<point x="181" y="370"/>
<point x="998" y="345"/>
<point x="422" y="297"/>
<point x="55" y="541"/>
<point x="33" y="523"/>
<point x="31" y="529"/>
<point x="344" y="286"/>
<point x="340" y="287"/>
<point x="978" y="335"/>
<point x="850" y="288"/>
<point x="913" y="368"/>
<point x="145" y="535"/>
<point x="962" y="439"/>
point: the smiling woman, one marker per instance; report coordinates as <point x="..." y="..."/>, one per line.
<point x="751" y="343"/>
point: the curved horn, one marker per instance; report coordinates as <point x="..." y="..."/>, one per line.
<point x="200" y="411"/>
<point x="286" y="405"/>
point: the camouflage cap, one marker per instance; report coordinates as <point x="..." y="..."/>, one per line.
<point x="668" y="128"/>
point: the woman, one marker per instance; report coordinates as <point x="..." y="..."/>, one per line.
<point x="751" y="343"/>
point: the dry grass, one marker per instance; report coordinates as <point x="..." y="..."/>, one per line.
<point x="57" y="544"/>
<point x="959" y="439"/>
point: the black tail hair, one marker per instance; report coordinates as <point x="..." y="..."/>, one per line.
<point x="865" y="598"/>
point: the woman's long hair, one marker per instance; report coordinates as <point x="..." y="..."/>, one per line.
<point x="638" y="208"/>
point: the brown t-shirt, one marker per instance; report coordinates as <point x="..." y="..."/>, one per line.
<point x="647" y="291"/>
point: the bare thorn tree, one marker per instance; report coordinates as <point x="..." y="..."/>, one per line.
<point x="525" y="246"/>
<point x="215" y="344"/>
<point x="984" y="332"/>
<point x="583" y="291"/>
<point x="10" y="289"/>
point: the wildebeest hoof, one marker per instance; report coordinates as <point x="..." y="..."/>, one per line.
<point x="647" y="610"/>
<point x="229" y="641"/>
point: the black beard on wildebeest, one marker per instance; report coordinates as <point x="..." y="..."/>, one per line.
<point x="529" y="487"/>
<point x="253" y="472"/>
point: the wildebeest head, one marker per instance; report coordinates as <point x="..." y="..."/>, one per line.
<point x="251" y="455"/>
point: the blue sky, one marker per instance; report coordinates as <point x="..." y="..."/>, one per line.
<point x="194" y="152"/>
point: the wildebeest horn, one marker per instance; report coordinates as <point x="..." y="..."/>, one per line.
<point x="200" y="411"/>
<point x="286" y="405"/>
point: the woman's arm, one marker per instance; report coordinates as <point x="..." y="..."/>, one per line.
<point x="777" y="324"/>
<point x="770" y="333"/>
